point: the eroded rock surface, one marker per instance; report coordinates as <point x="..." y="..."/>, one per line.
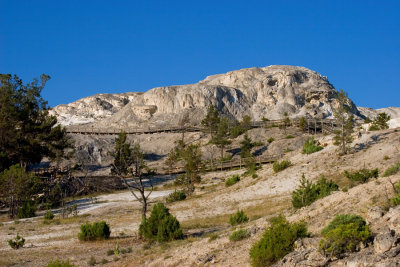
<point x="258" y="92"/>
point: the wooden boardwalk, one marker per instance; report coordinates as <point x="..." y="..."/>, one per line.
<point x="311" y="125"/>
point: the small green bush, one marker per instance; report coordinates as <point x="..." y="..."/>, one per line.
<point x="17" y="243"/>
<point x="362" y="176"/>
<point x="233" y="180"/>
<point x="176" y="196"/>
<point x="60" y="263"/>
<point x="280" y="166"/>
<point x="289" y="136"/>
<point x="92" y="261"/>
<point x="374" y="127"/>
<point x="277" y="241"/>
<point x="270" y="140"/>
<point x="396" y="199"/>
<point x="343" y="234"/>
<point x="238" y="218"/>
<point x="311" y="146"/>
<point x="239" y="235"/>
<point x="49" y="215"/>
<point x="308" y="192"/>
<point x="392" y="170"/>
<point x="95" y="231"/>
<point x="161" y="225"/>
<point x="27" y="210"/>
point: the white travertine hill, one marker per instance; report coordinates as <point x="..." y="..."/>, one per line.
<point x="259" y="92"/>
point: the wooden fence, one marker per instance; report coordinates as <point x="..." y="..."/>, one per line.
<point x="311" y="125"/>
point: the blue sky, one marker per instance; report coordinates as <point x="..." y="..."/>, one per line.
<point x="90" y="47"/>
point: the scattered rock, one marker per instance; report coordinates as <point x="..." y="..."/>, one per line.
<point x="374" y="213"/>
<point x="384" y="242"/>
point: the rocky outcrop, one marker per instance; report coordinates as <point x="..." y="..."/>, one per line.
<point x="383" y="250"/>
<point x="92" y="108"/>
<point x="268" y="92"/>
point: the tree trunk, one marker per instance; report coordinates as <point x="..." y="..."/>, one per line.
<point x="343" y="141"/>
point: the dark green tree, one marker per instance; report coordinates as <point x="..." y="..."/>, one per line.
<point x="27" y="131"/>
<point x="161" y="225"/>
<point x="221" y="138"/>
<point x="16" y="187"/>
<point x="345" y="122"/>
<point x="211" y="121"/>
<point x="246" y="146"/>
<point x="380" y="122"/>
<point x="191" y="156"/>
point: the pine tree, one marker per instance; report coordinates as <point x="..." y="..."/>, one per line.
<point x="345" y="122"/>
<point x="211" y="120"/>
<point x="221" y="138"/>
<point x="246" y="146"/>
<point x="380" y="122"/>
<point x="27" y="131"/>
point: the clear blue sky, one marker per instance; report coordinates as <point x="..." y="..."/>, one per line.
<point x="90" y="47"/>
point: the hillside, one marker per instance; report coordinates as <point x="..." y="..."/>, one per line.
<point x="204" y="216"/>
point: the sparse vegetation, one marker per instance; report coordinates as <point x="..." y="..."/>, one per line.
<point x="161" y="225"/>
<point x="238" y="218"/>
<point x="289" y="136"/>
<point x="92" y="261"/>
<point x="311" y="146"/>
<point x="48" y="215"/>
<point x="309" y="192"/>
<point x="280" y="166"/>
<point x="239" y="235"/>
<point x="176" y="196"/>
<point x="362" y="175"/>
<point x="233" y="180"/>
<point x="396" y="199"/>
<point x="277" y="241"/>
<point x="270" y="140"/>
<point x="380" y="122"/>
<point x="302" y="124"/>
<point x="95" y="231"/>
<point x="212" y="237"/>
<point x="27" y="210"/>
<point x="343" y="234"/>
<point x="392" y="170"/>
<point x="60" y="263"/>
<point x="17" y="242"/>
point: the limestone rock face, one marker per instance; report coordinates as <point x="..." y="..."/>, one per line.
<point x="258" y="92"/>
<point x="90" y="109"/>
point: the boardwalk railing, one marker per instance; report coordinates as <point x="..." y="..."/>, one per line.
<point x="224" y="165"/>
<point x="311" y="125"/>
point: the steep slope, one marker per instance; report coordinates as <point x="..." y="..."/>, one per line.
<point x="259" y="92"/>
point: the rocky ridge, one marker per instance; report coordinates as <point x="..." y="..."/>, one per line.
<point x="258" y="92"/>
